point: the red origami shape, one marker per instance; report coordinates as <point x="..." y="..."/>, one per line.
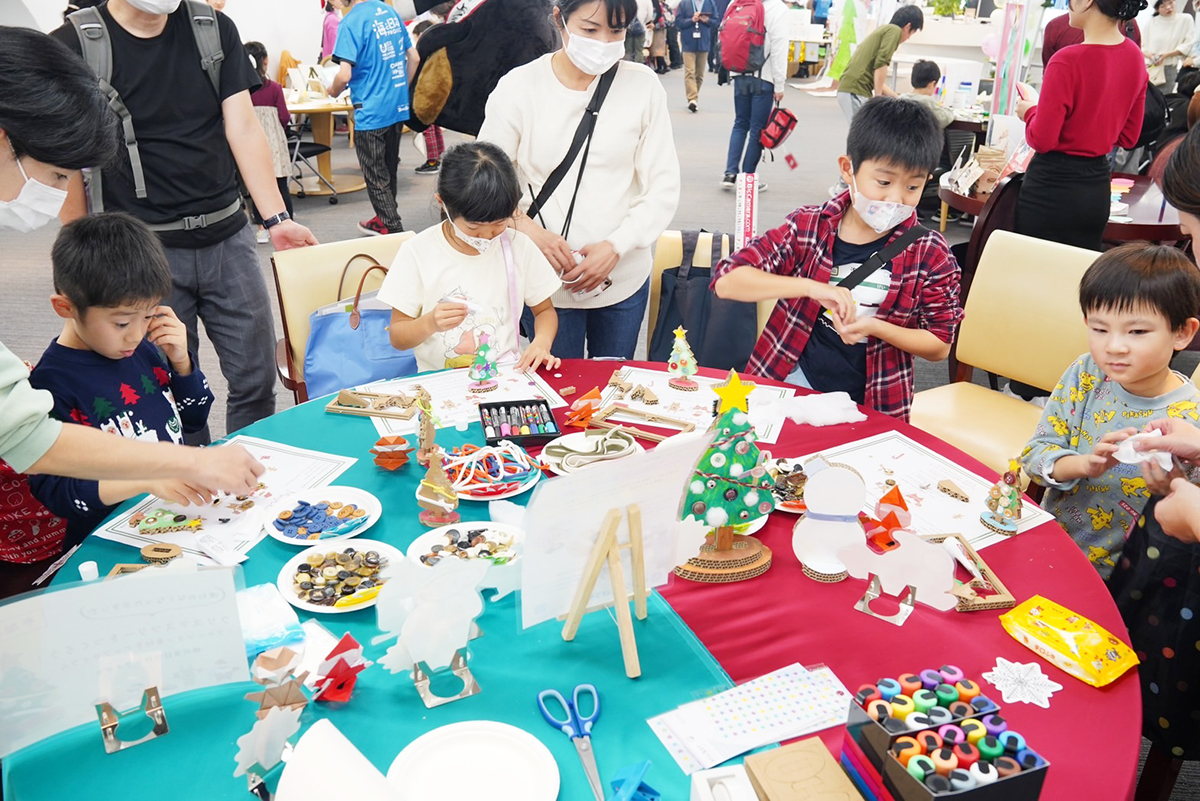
<point x="339" y="672"/>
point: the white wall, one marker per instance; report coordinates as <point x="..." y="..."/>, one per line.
<point x="45" y="15"/>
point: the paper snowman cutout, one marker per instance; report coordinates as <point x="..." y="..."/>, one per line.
<point x="834" y="495"/>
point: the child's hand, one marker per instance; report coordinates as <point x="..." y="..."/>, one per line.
<point x="856" y="330"/>
<point x="1102" y="456"/>
<point x="167" y="333"/>
<point x="837" y="300"/>
<point x="174" y="490"/>
<point x="535" y="356"/>
<point x="1177" y="512"/>
<point x="448" y="315"/>
<point x="1158" y="481"/>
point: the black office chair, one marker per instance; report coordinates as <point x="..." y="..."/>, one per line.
<point x="302" y="153"/>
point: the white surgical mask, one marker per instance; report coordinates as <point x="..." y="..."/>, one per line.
<point x="34" y="206"/>
<point x="593" y="56"/>
<point x="480" y="243"/>
<point x="882" y="215"/>
<point x="155" y="6"/>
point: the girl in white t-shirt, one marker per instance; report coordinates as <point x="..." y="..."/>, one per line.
<point x="469" y="276"/>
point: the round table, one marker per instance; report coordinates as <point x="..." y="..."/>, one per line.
<point x="320" y="112"/>
<point x="750" y="628"/>
<point x="1154" y="220"/>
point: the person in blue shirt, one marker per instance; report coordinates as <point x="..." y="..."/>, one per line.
<point x="714" y="51"/>
<point x="376" y="57"/>
<point x="820" y="11"/>
<point x="696" y="23"/>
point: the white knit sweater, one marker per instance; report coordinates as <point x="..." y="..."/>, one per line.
<point x="630" y="189"/>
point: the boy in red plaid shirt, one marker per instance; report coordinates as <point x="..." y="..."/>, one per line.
<point x="861" y="341"/>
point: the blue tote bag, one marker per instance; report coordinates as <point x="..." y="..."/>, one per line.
<point x="352" y="347"/>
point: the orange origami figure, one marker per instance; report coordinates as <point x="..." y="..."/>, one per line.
<point x="893" y="514"/>
<point x="583" y="409"/>
<point x="391" y="452"/>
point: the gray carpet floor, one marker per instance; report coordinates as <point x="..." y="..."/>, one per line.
<point x="28" y="324"/>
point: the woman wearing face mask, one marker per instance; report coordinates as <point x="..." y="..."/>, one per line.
<point x="596" y="226"/>
<point x="1092" y="99"/>
<point x="54" y="121"/>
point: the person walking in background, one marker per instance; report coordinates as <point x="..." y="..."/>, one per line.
<point x="674" y="56"/>
<point x="329" y="27"/>
<point x="695" y="21"/>
<point x="376" y="57"/>
<point x="1060" y="34"/>
<point x="635" y="33"/>
<point x="658" y="39"/>
<point x="435" y="145"/>
<point x="714" y="52"/>
<point x="753" y="96"/>
<point x="269" y="106"/>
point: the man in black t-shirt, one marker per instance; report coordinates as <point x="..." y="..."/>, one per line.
<point x="193" y="141"/>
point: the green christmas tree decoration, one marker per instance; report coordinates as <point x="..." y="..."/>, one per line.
<point x="682" y="363"/>
<point x="148" y="385"/>
<point x="729" y="488"/>
<point x="483" y="369"/>
<point x="103" y="408"/>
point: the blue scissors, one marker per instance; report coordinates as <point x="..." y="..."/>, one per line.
<point x="576" y="726"/>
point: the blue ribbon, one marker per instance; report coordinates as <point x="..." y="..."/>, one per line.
<point x="831" y="518"/>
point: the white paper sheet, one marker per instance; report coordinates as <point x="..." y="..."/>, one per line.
<point x="288" y="469"/>
<point x="65" y="651"/>
<point x="319" y="765"/>
<point x="694" y="407"/>
<point x="564" y="516"/>
<point x="453" y="403"/>
<point x="917" y="471"/>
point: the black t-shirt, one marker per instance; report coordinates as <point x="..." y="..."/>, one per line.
<point x="829" y="364"/>
<point x="177" y="119"/>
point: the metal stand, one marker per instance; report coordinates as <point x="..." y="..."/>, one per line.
<point x="458" y="666"/>
<point x="874" y="591"/>
<point x="109" y="720"/>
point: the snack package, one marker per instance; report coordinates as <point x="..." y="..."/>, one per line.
<point x="1069" y="641"/>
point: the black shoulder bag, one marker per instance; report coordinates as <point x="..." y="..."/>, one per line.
<point x="882" y="256"/>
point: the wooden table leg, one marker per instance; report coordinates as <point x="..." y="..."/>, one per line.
<point x="322" y="129"/>
<point x="945" y="211"/>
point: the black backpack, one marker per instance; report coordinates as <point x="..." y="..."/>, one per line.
<point x="1155" y="121"/>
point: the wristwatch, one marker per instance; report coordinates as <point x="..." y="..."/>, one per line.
<point x="271" y="222"/>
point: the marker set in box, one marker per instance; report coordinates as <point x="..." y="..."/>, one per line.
<point x="934" y="735"/>
<point x="528" y="422"/>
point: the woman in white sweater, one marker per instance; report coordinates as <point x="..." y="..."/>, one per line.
<point x="628" y="191"/>
<point x="1166" y="39"/>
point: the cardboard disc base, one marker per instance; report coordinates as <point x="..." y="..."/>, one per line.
<point x="480" y="387"/>
<point x="990" y="524"/>
<point x="684" y="384"/>
<point x="437" y="521"/>
<point x="748" y="558"/>
<point x="824" y="578"/>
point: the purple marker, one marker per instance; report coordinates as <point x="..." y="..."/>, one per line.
<point x="995" y="725"/>
<point x="930" y="679"/>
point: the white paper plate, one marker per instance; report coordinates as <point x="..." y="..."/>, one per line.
<point x="578" y="436"/>
<point x="517" y="766"/>
<point x="421" y="544"/>
<point x="360" y="498"/>
<point x="745" y="529"/>
<point x="528" y="485"/>
<point x="284" y="581"/>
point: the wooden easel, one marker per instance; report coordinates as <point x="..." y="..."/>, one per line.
<point x="607" y="548"/>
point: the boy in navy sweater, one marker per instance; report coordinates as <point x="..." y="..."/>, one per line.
<point x="121" y="363"/>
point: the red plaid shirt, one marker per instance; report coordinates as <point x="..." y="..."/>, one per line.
<point x="924" y="294"/>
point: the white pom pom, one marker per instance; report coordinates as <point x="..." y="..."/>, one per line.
<point x="696" y="487"/>
<point x="739" y="419"/>
<point x="751" y="498"/>
<point x="736" y="470"/>
<point x="716" y="516"/>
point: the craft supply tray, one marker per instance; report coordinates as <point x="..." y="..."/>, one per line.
<point x="876" y="742"/>
<point x="524" y="440"/>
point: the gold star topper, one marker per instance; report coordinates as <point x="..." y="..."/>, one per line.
<point x="680" y="332"/>
<point x="733" y="393"/>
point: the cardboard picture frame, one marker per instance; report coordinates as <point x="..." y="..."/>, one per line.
<point x="1000" y="598"/>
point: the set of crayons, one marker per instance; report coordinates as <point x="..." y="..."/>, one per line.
<point x="517" y="420"/>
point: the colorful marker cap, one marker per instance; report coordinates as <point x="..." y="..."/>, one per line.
<point x="946" y="694"/>
<point x="916" y="722"/>
<point x="944" y="760"/>
<point x="921" y="767"/>
<point x="984" y="773"/>
<point x="924" y="700"/>
<point x="967" y="754"/>
<point x="967" y="689"/>
<point x="961" y="779"/>
<point x="939" y="715"/>
<point x="952" y="735"/>
<point x="1013" y="742"/>
<point x="879" y="709"/>
<point x="994" y="724"/>
<point x="951" y="674"/>
<point x="974" y="730"/>
<point x="909" y="683"/>
<point x="984" y="705"/>
<point x="930" y="679"/>
<point x="1029" y="759"/>
<point x="990" y="748"/>
<point x="905" y="748"/>
<point x="1006" y="766"/>
<point x="866" y="694"/>
<point x="961" y="709"/>
<point x="902" y="706"/>
<point x="938" y="783"/>
<point x="889" y="688"/>
<point x="929" y="741"/>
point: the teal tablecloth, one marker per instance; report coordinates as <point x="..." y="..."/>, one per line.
<point x="196" y="760"/>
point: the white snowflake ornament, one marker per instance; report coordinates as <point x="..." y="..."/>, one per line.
<point x="1023" y="682"/>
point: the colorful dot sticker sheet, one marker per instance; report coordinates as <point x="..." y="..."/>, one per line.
<point x="790" y="702"/>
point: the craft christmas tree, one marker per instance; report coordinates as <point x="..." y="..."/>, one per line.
<point x="483" y="368"/>
<point x="1004" y="502"/>
<point x="729" y="488"/>
<point x="436" y="496"/>
<point x="682" y="363"/>
<point x="426" y="426"/>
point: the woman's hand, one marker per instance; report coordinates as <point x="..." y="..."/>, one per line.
<point x="1178" y="512"/>
<point x="1179" y="438"/>
<point x="1158" y="481"/>
<point x="553" y="247"/>
<point x="1023" y="107"/>
<point x="599" y="259"/>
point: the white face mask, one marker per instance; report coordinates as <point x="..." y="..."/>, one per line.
<point x="155" y="6"/>
<point x="882" y="215"/>
<point x="480" y="243"/>
<point x="34" y="206"/>
<point x="591" y="55"/>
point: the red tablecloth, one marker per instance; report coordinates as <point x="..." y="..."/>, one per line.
<point x="781" y="617"/>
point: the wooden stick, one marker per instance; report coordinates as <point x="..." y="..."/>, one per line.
<point x="604" y="543"/>
<point x="616" y="575"/>
<point x="637" y="557"/>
